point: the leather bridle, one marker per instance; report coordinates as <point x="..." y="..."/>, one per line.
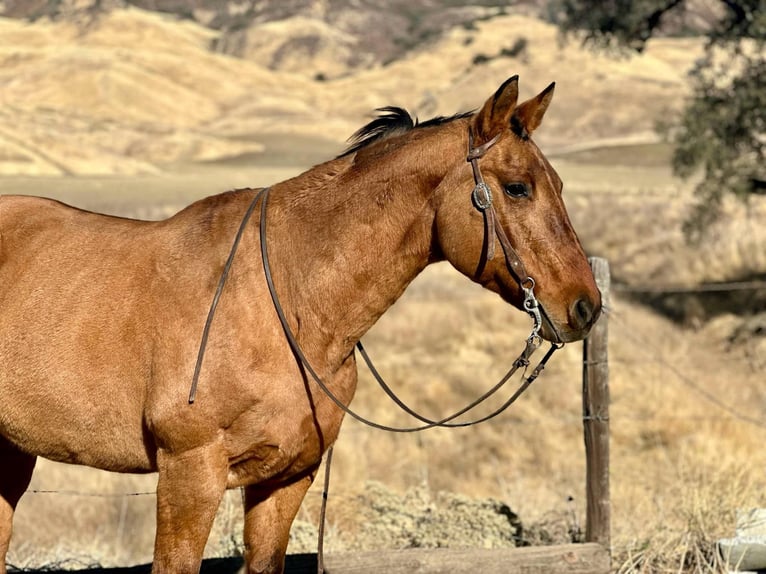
<point x="482" y="198"/>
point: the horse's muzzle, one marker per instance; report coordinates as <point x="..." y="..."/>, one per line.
<point x="581" y="316"/>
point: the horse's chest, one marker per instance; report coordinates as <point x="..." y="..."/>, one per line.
<point x="272" y="428"/>
<point x="279" y="448"/>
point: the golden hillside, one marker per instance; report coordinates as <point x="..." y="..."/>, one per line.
<point x="133" y="91"/>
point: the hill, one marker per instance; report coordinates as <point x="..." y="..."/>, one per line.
<point x="138" y="112"/>
<point x="133" y="91"/>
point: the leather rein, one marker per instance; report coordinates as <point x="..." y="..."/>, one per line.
<point x="482" y="200"/>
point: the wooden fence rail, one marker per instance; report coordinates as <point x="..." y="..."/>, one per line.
<point x="567" y="558"/>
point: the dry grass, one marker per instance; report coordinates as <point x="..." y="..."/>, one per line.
<point x="681" y="464"/>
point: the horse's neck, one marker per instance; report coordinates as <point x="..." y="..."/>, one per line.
<point x="348" y="239"/>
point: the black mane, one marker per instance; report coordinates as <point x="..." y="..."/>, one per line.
<point x="392" y="120"/>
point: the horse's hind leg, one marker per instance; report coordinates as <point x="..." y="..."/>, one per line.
<point x="268" y="517"/>
<point x="15" y="473"/>
<point x="189" y="490"/>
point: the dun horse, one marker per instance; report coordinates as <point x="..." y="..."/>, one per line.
<point x="101" y="317"/>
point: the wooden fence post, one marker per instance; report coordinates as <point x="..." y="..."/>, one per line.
<point x="596" y="417"/>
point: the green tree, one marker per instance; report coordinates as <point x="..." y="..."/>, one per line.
<point x="723" y="126"/>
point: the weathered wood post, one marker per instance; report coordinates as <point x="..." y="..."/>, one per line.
<point x="595" y="396"/>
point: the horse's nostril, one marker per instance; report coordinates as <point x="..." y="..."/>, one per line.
<point x="582" y="313"/>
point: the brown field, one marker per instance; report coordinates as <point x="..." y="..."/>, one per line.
<point x="113" y="118"/>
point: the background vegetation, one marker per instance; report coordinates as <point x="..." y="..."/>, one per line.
<point x="722" y="128"/>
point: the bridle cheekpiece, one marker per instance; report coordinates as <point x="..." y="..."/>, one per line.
<point x="481" y="196"/>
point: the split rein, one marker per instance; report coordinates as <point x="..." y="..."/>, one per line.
<point x="482" y="200"/>
<point x="522" y="361"/>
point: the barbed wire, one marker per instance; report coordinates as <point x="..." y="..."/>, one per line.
<point x="90" y="494"/>
<point x="666" y="289"/>
<point x="755" y="285"/>
<point x="658" y="357"/>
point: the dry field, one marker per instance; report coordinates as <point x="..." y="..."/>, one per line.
<point x="115" y="118"/>
<point x="681" y="462"/>
<point x="136" y="90"/>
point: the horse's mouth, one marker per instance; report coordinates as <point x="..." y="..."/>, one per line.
<point x="550" y="331"/>
<point x="556" y="332"/>
<point x="568" y="330"/>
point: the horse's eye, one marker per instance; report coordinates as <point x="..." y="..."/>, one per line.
<point x="517" y="189"/>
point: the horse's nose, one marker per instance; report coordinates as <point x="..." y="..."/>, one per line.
<point x="583" y="313"/>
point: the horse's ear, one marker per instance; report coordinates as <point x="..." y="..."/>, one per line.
<point x="495" y="114"/>
<point x="528" y="116"/>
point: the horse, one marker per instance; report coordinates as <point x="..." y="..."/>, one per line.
<point x="101" y="316"/>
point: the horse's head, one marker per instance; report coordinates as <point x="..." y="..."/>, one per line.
<point x="520" y="228"/>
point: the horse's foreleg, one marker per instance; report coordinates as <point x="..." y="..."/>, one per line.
<point x="15" y="473"/>
<point x="189" y="490"/>
<point x="268" y="517"/>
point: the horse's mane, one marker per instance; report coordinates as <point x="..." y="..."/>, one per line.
<point x="390" y="121"/>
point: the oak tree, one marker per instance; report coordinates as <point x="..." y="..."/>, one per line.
<point x="722" y="129"/>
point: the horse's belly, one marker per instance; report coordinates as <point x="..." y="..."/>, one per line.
<point x="49" y="427"/>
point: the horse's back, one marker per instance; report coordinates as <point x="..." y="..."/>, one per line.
<point x="41" y="225"/>
<point x="53" y="255"/>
